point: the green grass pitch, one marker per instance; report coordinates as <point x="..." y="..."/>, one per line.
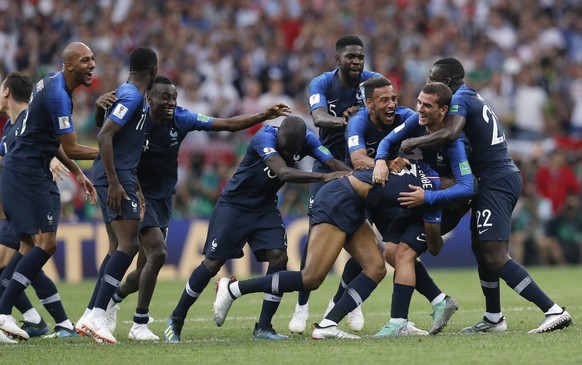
<point x="204" y="343"/>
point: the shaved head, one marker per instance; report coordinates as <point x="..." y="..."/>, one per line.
<point x="78" y="65"/>
<point x="292" y="134"/>
<point x="74" y="50"/>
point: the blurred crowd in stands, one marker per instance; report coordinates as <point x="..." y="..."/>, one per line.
<point x="233" y="57"/>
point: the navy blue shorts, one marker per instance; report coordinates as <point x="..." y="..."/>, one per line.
<point x="492" y="208"/>
<point x="8" y="237"/>
<point x="409" y="230"/>
<point x="129" y="208"/>
<point x="316" y="186"/>
<point x="230" y="228"/>
<point x="157" y="214"/>
<point x="338" y="203"/>
<point x="28" y="207"/>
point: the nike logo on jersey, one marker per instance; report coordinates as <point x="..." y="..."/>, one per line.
<point x="421" y="238"/>
<point x="483" y="231"/>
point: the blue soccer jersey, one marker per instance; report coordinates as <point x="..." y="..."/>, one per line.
<point x="490" y="158"/>
<point x="48" y="117"/>
<point x="158" y="166"/>
<point x="9" y="133"/>
<point x="327" y="91"/>
<point x="129" y="111"/>
<point x="361" y="133"/>
<point x="451" y="158"/>
<point x="382" y="201"/>
<point x="254" y="186"/>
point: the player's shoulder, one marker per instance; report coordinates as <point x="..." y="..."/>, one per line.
<point x="324" y="78"/>
<point x="369" y="74"/>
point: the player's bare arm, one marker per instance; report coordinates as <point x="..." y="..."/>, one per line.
<point x="240" y="122"/>
<point x="102" y="103"/>
<point x="115" y="191"/>
<point x="290" y="174"/>
<point x="74" y="150"/>
<point x="360" y="159"/>
<point x="322" y="119"/>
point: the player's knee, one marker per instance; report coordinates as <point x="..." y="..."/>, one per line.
<point x="312" y="280"/>
<point x="277" y="258"/>
<point x="158" y="257"/>
<point x="389" y="257"/>
<point x="212" y="266"/>
<point x="404" y="253"/>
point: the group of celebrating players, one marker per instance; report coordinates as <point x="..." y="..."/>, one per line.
<point x="412" y="174"/>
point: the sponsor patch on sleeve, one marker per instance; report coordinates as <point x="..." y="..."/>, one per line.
<point x="120" y="111"/>
<point x="64" y="122"/>
<point x="353" y="141"/>
<point x="465" y="168"/>
<point x="454" y="108"/>
<point x="314" y="99"/>
<point x="323" y="149"/>
<point x="203" y="118"/>
<point x="269" y="150"/>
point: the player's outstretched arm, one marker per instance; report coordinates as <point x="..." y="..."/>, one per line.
<point x="285" y="173"/>
<point x="240" y="122"/>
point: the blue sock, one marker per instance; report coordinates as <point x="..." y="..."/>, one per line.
<point x="141" y="316"/>
<point x="98" y="282"/>
<point x="351" y="270"/>
<point x="116" y="268"/>
<point x="8" y="271"/>
<point x="198" y="280"/>
<point x="270" y="301"/>
<point x="424" y="283"/>
<point x="518" y="279"/>
<point x="490" y="287"/>
<point x="401" y="297"/>
<point x="22" y="303"/>
<point x="303" y="295"/>
<point x="357" y="291"/>
<point x="278" y="283"/>
<point x="28" y="267"/>
<point x="48" y="294"/>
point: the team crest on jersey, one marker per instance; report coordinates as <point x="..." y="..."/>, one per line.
<point x="213" y="245"/>
<point x="353" y="141"/>
<point x="296" y="158"/>
<point x="314" y="99"/>
<point x="64" y="122"/>
<point x="120" y="111"/>
<point x="269" y="150"/>
<point x="49" y="218"/>
<point x="134" y="206"/>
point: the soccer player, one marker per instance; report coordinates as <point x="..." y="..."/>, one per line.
<point x="339" y="222"/>
<point x="14" y="97"/>
<point x="115" y="175"/>
<point x="334" y="97"/>
<point x="499" y="189"/>
<point x="32" y="213"/>
<point x="166" y="127"/>
<point x="248" y="207"/>
<point x="410" y="273"/>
